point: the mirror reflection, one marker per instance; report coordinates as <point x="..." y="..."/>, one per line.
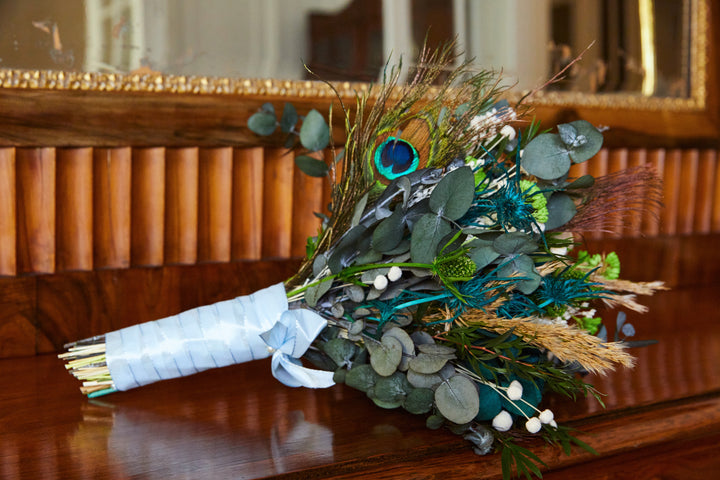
<point x="638" y="46"/>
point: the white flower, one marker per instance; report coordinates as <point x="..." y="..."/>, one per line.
<point x="502" y="421"/>
<point x="553" y="424"/>
<point x="380" y="283"/>
<point x="508" y="131"/>
<point x="394" y="274"/>
<point x="546" y="416"/>
<point x="533" y="425"/>
<point x="515" y="390"/>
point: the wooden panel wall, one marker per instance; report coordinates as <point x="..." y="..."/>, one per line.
<point x="83" y="209"/>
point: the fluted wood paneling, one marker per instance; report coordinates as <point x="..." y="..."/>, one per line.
<point x="181" y="205"/>
<point x="277" y="203"/>
<point x="8" y="251"/>
<point x="74" y="215"/>
<point x="35" y="170"/>
<point x="148" y="207"/>
<point x="215" y="205"/>
<point x="247" y="203"/>
<point x="93" y="208"/>
<point x="112" y="171"/>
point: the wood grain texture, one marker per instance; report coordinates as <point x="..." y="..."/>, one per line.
<point x="662" y="418"/>
<point x="112" y="173"/>
<point x="277" y="203"/>
<point x="215" y="204"/>
<point x="247" y="203"/>
<point x="707" y="167"/>
<point x="181" y="205"/>
<point x="35" y="169"/>
<point x="8" y="213"/>
<point x="148" y="206"/>
<point x="74" y="209"/>
<point x="18" y="327"/>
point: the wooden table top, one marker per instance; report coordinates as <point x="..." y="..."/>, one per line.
<point x="662" y="417"/>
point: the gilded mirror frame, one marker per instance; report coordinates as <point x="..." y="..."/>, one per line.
<point x="30" y="98"/>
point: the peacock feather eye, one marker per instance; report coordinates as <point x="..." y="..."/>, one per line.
<point x="396" y="157"/>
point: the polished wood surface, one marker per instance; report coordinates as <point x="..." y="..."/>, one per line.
<point x="662" y="418"/>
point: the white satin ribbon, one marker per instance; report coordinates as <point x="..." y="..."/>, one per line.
<point x="290" y="338"/>
<point x="217" y="335"/>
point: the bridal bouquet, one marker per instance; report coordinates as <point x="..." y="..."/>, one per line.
<point x="444" y="282"/>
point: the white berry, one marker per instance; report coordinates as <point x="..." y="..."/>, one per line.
<point x="533" y="425"/>
<point x="394" y="274"/>
<point x="515" y="390"/>
<point x="380" y="283"/>
<point x="546" y="416"/>
<point x="502" y="421"/>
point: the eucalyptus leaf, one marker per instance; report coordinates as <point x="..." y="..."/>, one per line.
<point x="514" y="243"/>
<point x="408" y="347"/>
<point x="389" y="232"/>
<point x="340" y="350"/>
<point x="385" y="355"/>
<point x="591" y="143"/>
<point x="392" y="388"/>
<point x="268" y="107"/>
<point x="346" y="250"/>
<point x="546" y="157"/>
<point x="457" y="399"/>
<point x="568" y="134"/>
<point x="358" y="211"/>
<point x="423" y="380"/>
<point x="483" y="256"/>
<point x="419" y="401"/>
<point x="426" y="236"/>
<point x="586" y="181"/>
<point x="355" y="293"/>
<point x="437" y="349"/>
<point x="314" y="132"/>
<point x="319" y="264"/>
<point x="311" y="166"/>
<point x="453" y="195"/>
<point x="262" y="123"/>
<point x="315" y="292"/>
<point x="427" y="363"/>
<point x="289" y="118"/>
<point x="361" y="377"/>
<point x="561" y="209"/>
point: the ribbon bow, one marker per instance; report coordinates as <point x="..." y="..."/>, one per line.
<point x="288" y="339"/>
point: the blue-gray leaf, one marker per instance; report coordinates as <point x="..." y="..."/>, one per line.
<point x="546" y="157"/>
<point x="591" y="143"/>
<point x="311" y="166"/>
<point x="262" y="123"/>
<point x="314" y="133"/>
<point x="561" y="209"/>
<point x="289" y="118"/>
<point x="426" y="236"/>
<point x="454" y="194"/>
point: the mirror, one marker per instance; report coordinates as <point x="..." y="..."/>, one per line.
<point x="645" y="49"/>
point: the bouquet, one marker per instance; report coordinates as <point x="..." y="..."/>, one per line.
<point x="443" y="282"/>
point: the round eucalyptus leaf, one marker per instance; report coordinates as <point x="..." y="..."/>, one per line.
<point x="483" y="256"/>
<point x="426" y="363"/>
<point x="408" y="347"/>
<point x="457" y="399"/>
<point x="315" y="292"/>
<point x="262" y="123"/>
<point x="340" y="350"/>
<point x="355" y="293"/>
<point x="569" y="135"/>
<point x="385" y="355"/>
<point x="314" y="132"/>
<point x="591" y="143"/>
<point x="546" y="157"/>
<point x="419" y="401"/>
<point x="389" y="232"/>
<point x="426" y="236"/>
<point x="311" y="166"/>
<point x="361" y="377"/>
<point x="561" y="209"/>
<point x="392" y="388"/>
<point x="356" y="327"/>
<point x="421" y="338"/>
<point x="423" y="380"/>
<point x="454" y="194"/>
<point x="385" y="404"/>
<point x="289" y="118"/>
<point x="514" y="243"/>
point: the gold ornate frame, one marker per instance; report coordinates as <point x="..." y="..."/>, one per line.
<point x="135" y="101"/>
